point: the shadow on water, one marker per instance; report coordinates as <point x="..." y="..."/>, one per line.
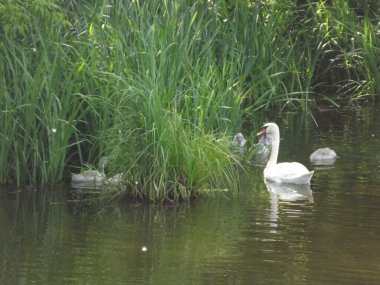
<point x="265" y="234"/>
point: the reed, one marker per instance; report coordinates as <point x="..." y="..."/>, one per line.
<point x="342" y="33"/>
<point x="168" y="112"/>
<point x="40" y="109"/>
<point x="161" y="86"/>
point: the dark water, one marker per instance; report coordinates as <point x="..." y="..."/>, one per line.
<point x="333" y="237"/>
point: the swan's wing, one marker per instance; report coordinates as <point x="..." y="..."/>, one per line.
<point x="290" y="168"/>
<point x="289" y="172"/>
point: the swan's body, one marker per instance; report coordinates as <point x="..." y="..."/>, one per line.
<point x="90" y="178"/>
<point x="286" y="172"/>
<point x="322" y="154"/>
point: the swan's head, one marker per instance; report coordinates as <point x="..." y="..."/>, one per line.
<point x="269" y="129"/>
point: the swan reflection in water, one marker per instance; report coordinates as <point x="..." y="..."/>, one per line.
<point x="289" y="192"/>
<point x="286" y="193"/>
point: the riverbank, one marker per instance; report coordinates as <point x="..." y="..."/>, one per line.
<point x="161" y="87"/>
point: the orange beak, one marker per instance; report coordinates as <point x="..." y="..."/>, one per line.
<point x="261" y="132"/>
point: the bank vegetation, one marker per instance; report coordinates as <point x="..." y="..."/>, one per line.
<point x="160" y="87"/>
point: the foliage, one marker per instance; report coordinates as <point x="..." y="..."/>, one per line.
<point x="160" y="86"/>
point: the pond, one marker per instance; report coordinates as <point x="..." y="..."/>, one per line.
<point x="66" y="236"/>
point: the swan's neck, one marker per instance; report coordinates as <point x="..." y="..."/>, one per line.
<point x="274" y="151"/>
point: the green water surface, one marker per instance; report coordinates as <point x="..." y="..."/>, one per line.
<point x="65" y="236"/>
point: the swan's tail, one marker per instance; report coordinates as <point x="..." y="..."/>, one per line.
<point x="305" y="178"/>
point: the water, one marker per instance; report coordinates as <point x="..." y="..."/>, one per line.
<point x="61" y="236"/>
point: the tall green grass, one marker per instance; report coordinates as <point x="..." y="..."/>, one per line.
<point x="174" y="106"/>
<point x="345" y="36"/>
<point x="161" y="86"/>
<point x="39" y="105"/>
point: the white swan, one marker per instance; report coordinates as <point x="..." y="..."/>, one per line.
<point x="286" y="172"/>
<point x="323" y="154"/>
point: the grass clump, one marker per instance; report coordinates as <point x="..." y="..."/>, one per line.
<point x="166" y="160"/>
